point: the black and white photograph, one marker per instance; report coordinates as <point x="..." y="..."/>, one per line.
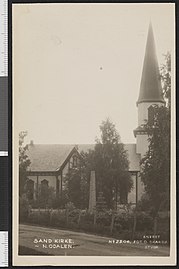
<point x="94" y="134"/>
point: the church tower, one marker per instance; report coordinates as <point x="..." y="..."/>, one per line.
<point x="150" y="92"/>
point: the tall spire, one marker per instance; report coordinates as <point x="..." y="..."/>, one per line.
<point x="150" y="87"/>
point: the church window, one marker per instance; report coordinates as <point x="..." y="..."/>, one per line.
<point x="44" y="182"/>
<point x="44" y="187"/>
<point x="30" y="189"/>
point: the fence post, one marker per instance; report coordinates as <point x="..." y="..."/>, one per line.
<point x="38" y="215"/>
<point x="155" y="225"/>
<point x="112" y="222"/>
<point x="29" y="211"/>
<point x="79" y="218"/>
<point x="95" y="217"/>
<point x="51" y="211"/>
<point x="67" y="216"/>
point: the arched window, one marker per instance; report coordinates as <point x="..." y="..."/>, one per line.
<point x="44" y="188"/>
<point x="30" y="189"/>
<point x="44" y="182"/>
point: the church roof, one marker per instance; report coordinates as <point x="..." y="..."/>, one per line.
<point x="48" y="157"/>
<point x="150" y="87"/>
<point x="51" y="157"/>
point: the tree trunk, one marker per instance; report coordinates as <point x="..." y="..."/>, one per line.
<point x="39" y="215"/>
<point x="50" y="216"/>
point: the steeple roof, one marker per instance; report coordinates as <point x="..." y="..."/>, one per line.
<point x="150" y="87"/>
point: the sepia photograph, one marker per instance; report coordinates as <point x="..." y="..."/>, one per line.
<point x="94" y="134"/>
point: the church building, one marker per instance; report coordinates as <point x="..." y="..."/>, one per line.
<point x="50" y="163"/>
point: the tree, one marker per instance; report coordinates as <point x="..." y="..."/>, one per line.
<point x="109" y="160"/>
<point x="24" y="162"/>
<point x="155" y="172"/>
<point x="46" y="197"/>
<point x="165" y="74"/>
<point x="76" y="184"/>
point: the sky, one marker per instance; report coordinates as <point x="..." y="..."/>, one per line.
<point x="74" y="65"/>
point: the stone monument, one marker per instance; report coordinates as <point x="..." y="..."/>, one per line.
<point x="92" y="193"/>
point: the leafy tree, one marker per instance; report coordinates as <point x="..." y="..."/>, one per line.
<point x="77" y="186"/>
<point x="109" y="160"/>
<point x="24" y="162"/>
<point x="46" y="196"/>
<point x="156" y="163"/>
<point x="165" y="73"/>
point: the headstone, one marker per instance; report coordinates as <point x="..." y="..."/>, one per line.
<point x="92" y="193"/>
<point x="101" y="203"/>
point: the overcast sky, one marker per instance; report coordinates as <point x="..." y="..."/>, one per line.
<point x="76" y="65"/>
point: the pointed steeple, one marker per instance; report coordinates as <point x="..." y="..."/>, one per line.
<point x="150" y="87"/>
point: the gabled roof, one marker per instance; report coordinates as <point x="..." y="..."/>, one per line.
<point x="50" y="157"/>
<point x="150" y="87"/>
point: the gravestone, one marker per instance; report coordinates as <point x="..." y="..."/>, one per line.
<point x="101" y="203"/>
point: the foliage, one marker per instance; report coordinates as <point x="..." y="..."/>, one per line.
<point x="23" y="208"/>
<point x="110" y="163"/>
<point x="24" y="161"/>
<point x="123" y="223"/>
<point x="165" y="73"/>
<point x="77" y="186"/>
<point x="46" y="198"/>
<point x="156" y="163"/>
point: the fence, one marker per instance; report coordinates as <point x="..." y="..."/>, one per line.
<point x="126" y="225"/>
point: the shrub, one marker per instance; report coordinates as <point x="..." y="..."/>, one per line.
<point x="104" y="218"/>
<point x="144" y="221"/>
<point x="23" y="208"/>
<point x="87" y="218"/>
<point x="123" y="221"/>
<point x="82" y="220"/>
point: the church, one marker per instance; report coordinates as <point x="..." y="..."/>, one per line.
<point x="50" y="163"/>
